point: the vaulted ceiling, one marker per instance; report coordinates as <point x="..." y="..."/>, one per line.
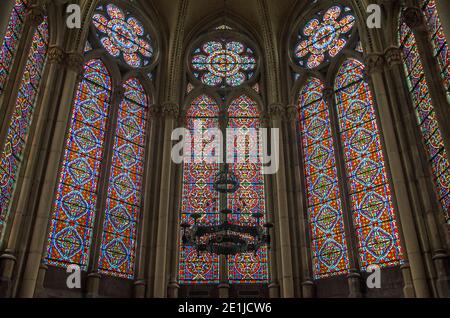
<point x="248" y="10"/>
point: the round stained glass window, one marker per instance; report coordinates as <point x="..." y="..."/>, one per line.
<point x="123" y="36"/>
<point x="222" y="63"/>
<point x="324" y="36"/>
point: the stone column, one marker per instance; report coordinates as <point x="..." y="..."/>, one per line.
<point x="170" y="113"/>
<point x="35" y="252"/>
<point x="274" y="286"/>
<point x="6" y="7"/>
<point x="43" y="113"/>
<point x="144" y="248"/>
<point x="307" y="283"/>
<point x="443" y="7"/>
<point x="276" y="112"/>
<point x="396" y="150"/>
<point x="177" y="192"/>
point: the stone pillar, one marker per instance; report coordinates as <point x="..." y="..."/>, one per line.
<point x="35" y="252"/>
<point x="55" y="59"/>
<point x="307" y="284"/>
<point x="170" y="112"/>
<point x="276" y="112"/>
<point x="443" y="8"/>
<point x="396" y="150"/>
<point x="151" y="169"/>
<point x="6" y="7"/>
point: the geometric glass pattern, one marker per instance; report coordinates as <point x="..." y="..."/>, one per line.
<point x="123" y="203"/>
<point x="249" y="199"/>
<point x="438" y="41"/>
<point x="11" y="40"/>
<point x="426" y="117"/>
<point x="198" y="194"/>
<point x="75" y="203"/>
<point x="122" y="35"/>
<point x="369" y="190"/>
<point x="326" y="224"/>
<point x="222" y="63"/>
<point x="324" y="36"/>
<point x="17" y="135"/>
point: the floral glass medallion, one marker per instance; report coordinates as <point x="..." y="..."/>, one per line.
<point x="324" y="36"/>
<point x="222" y="63"/>
<point x="123" y="36"/>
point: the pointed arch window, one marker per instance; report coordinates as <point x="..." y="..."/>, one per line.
<point x="244" y="117"/>
<point x="425" y="114"/>
<point x="325" y="217"/>
<point x="19" y="125"/>
<point x="198" y="194"/>
<point x="74" y="211"/>
<point x="11" y="40"/>
<point x="369" y="189"/>
<point x="124" y="201"/>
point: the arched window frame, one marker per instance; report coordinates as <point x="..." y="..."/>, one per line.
<point x="252" y="88"/>
<point x="120" y="75"/>
<point x="327" y="73"/>
<point x="30" y="48"/>
<point x="434" y="93"/>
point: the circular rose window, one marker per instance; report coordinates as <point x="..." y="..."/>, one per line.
<point x="123" y="36"/>
<point x="222" y="63"/>
<point x="324" y="36"/>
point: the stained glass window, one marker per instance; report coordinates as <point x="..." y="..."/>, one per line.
<point x="11" y="40"/>
<point x="243" y="116"/>
<point x="223" y="62"/>
<point x="438" y="41"/>
<point x="198" y="195"/>
<point x="74" y="209"/>
<point x="426" y="117"/>
<point x="123" y="35"/>
<point x="324" y="36"/>
<point x="326" y="224"/>
<point x="123" y="203"/>
<point x="370" y="192"/>
<point x="19" y="126"/>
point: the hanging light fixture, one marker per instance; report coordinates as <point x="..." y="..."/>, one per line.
<point x="226" y="238"/>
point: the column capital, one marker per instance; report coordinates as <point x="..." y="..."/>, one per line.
<point x="74" y="62"/>
<point x="413" y="17"/>
<point x="154" y="110"/>
<point x="56" y="55"/>
<point x="35" y="15"/>
<point x="169" y="110"/>
<point x="265" y="119"/>
<point x="291" y="112"/>
<point x="276" y="110"/>
<point x="393" y="56"/>
<point x="374" y="63"/>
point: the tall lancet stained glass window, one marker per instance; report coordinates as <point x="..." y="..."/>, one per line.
<point x="17" y="135"/>
<point x="370" y="192"/>
<point x="11" y="40"/>
<point x="426" y="117"/>
<point x="75" y="203"/>
<point x="123" y="203"/>
<point x="244" y="121"/>
<point x="328" y="241"/>
<point x="198" y="194"/>
<point x="438" y="41"/>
